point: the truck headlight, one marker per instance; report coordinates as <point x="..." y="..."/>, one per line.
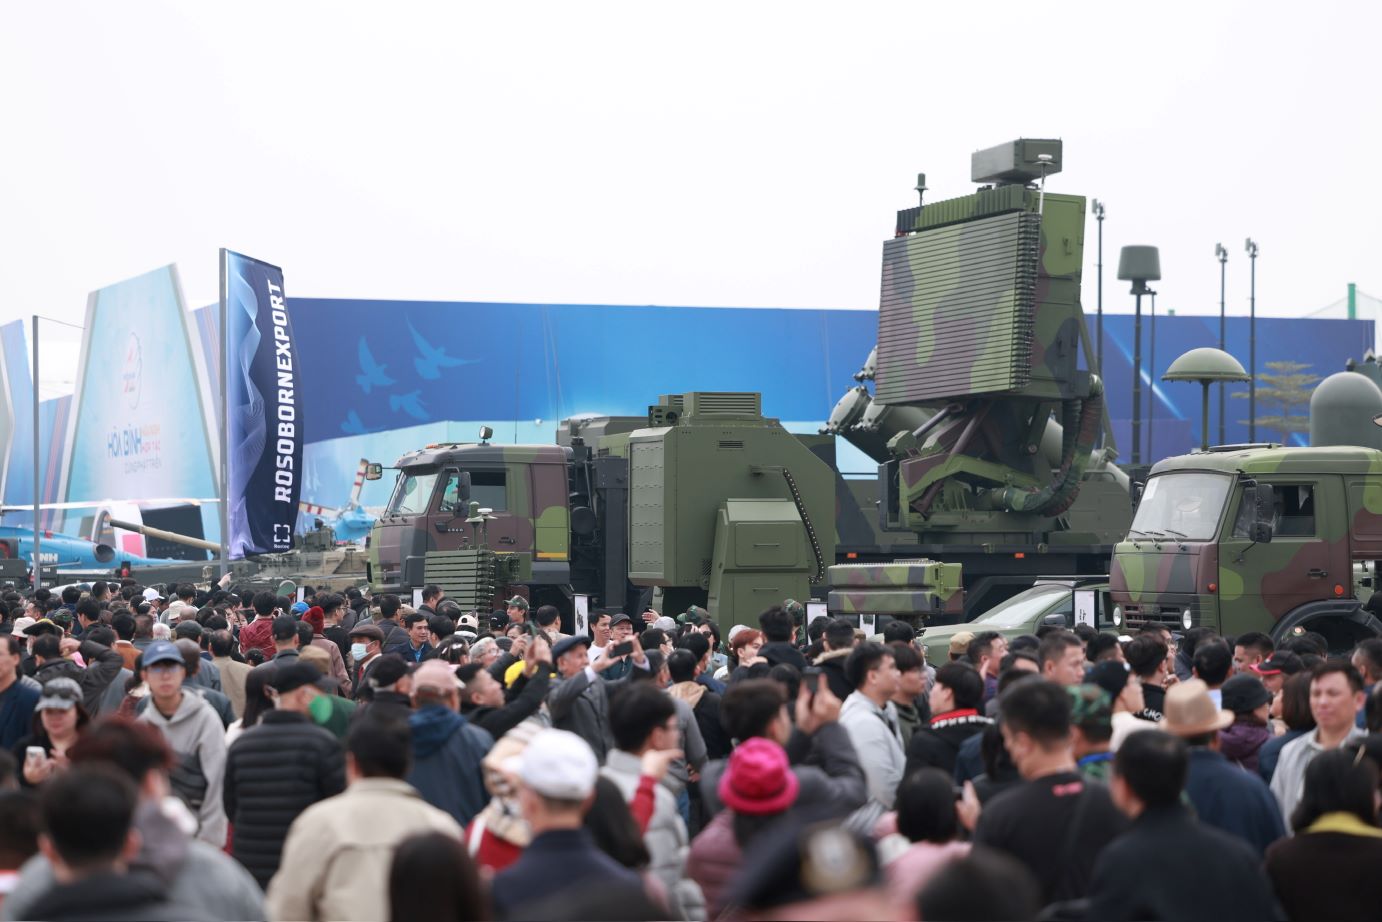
<point x="1186" y="619"/>
<point x="1117" y="615"/>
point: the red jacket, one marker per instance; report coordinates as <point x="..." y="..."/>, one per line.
<point x="258" y="634"/>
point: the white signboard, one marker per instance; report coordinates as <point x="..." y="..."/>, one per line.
<point x="1086" y="605"/>
<point x="417" y="598"/>
<point x="866" y="624"/>
<point x="582" y="606"/>
<point x="814" y="610"/>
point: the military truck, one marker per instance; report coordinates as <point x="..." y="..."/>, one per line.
<point x="987" y="409"/>
<point x="1255" y="538"/>
<point x="703" y="501"/>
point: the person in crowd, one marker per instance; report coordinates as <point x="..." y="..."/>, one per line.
<point x="1367" y="659"/>
<point x="19" y="829"/>
<point x="682" y="669"/>
<point x="1061" y="657"/>
<point x="955" y="701"/>
<point x="838" y="638"/>
<point x="870" y="719"/>
<point x="556" y="774"/>
<point x="338" y="853"/>
<point x="58" y="720"/>
<point x="447" y="748"/>
<point x="643" y="719"/>
<point x="619" y="834"/>
<point x="1336" y="697"/>
<point x="454" y="891"/>
<point x="432" y="595"/>
<point x="386" y="619"/>
<point x="52" y="654"/>
<point x="258" y="634"/>
<point x="985" y="653"/>
<point x="334" y="610"/>
<point x="823" y="758"/>
<point x="1248" y="699"/>
<point x="89" y="839"/>
<point x="580" y="701"/>
<point x="1168" y="865"/>
<point x="985" y="884"/>
<point x="744" y="647"/>
<point x="124" y="626"/>
<point x="600" y="633"/>
<point x="196" y="874"/>
<point x="387" y="689"/>
<point x="483" y="700"/>
<point x="756" y="788"/>
<point x="1091" y="730"/>
<point x="256" y="704"/>
<point x="18" y="694"/>
<point x="927" y="837"/>
<point x="276" y="769"/>
<point x="621" y="632"/>
<point x="1212" y="665"/>
<point x="1251" y="649"/>
<point x="1223" y="795"/>
<point x="1328" y="869"/>
<point x="517" y="610"/>
<point x="195" y="734"/>
<point x="1149" y="661"/>
<point x="1294" y="703"/>
<point x="779" y="635"/>
<point x="114" y="693"/>
<point x="548" y="621"/>
<point x="233" y="672"/>
<point x="1125" y="693"/>
<point x="417" y="647"/>
<point x="366" y="647"/>
<point x="1055" y="817"/>
<point x="315" y="618"/>
<point x="207" y="676"/>
<point x="192" y="659"/>
<point x="913" y="710"/>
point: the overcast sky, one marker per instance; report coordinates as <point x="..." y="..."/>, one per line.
<point x="743" y="154"/>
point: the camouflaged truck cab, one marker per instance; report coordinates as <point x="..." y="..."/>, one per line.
<point x="1256" y="538"/>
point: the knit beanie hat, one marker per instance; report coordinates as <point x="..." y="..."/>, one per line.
<point x="758" y="779"/>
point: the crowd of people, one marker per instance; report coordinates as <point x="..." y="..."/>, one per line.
<point x="222" y="755"/>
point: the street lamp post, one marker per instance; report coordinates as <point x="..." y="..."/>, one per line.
<point x="1151" y="386"/>
<point x="1222" y="253"/>
<point x="1098" y="208"/>
<point x="1139" y="265"/>
<point x="1251" y="248"/>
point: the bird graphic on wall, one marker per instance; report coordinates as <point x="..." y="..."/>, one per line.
<point x="352" y="424"/>
<point x="431" y="359"/>
<point x="410" y="403"/>
<point x="372" y="374"/>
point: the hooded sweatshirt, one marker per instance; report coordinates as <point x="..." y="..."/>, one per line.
<point x="198" y="741"/>
<point x="447" y="750"/>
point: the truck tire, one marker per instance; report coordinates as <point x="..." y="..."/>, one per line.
<point x="1343" y="622"/>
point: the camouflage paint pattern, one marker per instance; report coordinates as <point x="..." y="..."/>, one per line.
<point x="905" y="588"/>
<point x="1232" y="585"/>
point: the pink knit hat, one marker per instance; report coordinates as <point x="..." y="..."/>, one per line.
<point x="758" y="779"/>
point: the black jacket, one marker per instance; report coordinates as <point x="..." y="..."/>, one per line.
<point x="107" y="897"/>
<point x="1168" y="866"/>
<point x="274" y="771"/>
<point x="498" y="721"/>
<point x="832" y="664"/>
<point x="102" y="666"/>
<point x="938" y="745"/>
<point x="783" y="652"/>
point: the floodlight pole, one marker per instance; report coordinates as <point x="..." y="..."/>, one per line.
<point x="1098" y="207"/>
<point x="38" y="475"/>
<point x="1151" y="386"/>
<point x="1251" y="249"/>
<point x="1137" y="291"/>
<point x="1222" y="253"/>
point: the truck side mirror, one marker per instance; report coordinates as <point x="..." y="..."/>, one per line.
<point x="462" y="488"/>
<point x="1262" y="498"/>
<point x="374" y="471"/>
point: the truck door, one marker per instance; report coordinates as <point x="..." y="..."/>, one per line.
<point x="1306" y="559"/>
<point x="489" y="486"/>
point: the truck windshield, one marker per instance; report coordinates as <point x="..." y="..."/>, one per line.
<point x="412" y="493"/>
<point x="1182" y="505"/>
<point x="1023" y="607"/>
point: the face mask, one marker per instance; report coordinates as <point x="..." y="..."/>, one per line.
<point x="357" y="651"/>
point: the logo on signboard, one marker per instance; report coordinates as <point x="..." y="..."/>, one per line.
<point x="131" y="372"/>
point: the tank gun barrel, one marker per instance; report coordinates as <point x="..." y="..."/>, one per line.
<point x="151" y="532"/>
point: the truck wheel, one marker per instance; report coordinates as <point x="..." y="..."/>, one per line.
<point x="1343" y="634"/>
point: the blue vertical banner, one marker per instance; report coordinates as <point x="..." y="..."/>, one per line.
<point x="263" y="408"/>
